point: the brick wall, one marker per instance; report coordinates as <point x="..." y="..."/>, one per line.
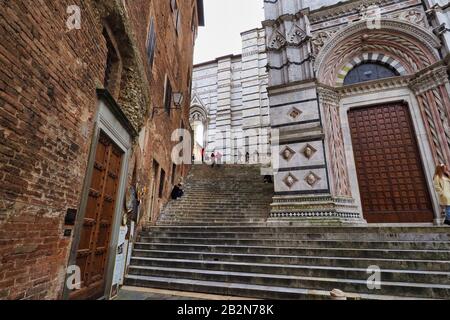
<point x="173" y="56"/>
<point x="48" y="102"/>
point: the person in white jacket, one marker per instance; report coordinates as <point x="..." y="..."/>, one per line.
<point x="441" y="182"/>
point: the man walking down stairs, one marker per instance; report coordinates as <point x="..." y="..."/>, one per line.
<point x="216" y="240"/>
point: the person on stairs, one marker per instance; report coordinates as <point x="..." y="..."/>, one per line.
<point x="177" y="191"/>
<point x="441" y="182"/>
<point x="219" y="156"/>
<point x="213" y="159"/>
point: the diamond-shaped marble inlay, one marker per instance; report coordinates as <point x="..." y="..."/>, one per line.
<point x="312" y="179"/>
<point x="290" y="180"/>
<point x="287" y="153"/>
<point x="295" y="113"/>
<point x="309" y="151"/>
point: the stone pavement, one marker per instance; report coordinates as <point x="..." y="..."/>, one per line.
<point x="134" y="294"/>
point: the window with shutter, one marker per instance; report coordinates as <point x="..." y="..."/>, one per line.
<point x="168" y="96"/>
<point x="151" y="44"/>
<point x="178" y="23"/>
<point x="176" y="15"/>
<point x="173" y="5"/>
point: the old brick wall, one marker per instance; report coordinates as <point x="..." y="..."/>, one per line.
<point x="47" y="101"/>
<point x="48" y="80"/>
<point x="174" y="57"/>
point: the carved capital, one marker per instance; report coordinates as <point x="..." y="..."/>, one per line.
<point x="328" y="96"/>
<point x="429" y="80"/>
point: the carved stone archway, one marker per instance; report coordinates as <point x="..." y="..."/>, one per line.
<point x="409" y="49"/>
<point x="198" y="118"/>
<point x="412" y="46"/>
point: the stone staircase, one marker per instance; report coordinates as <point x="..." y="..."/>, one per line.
<point x="229" y="195"/>
<point x="216" y="240"/>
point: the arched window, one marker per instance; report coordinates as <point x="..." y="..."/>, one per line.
<point x="369" y="71"/>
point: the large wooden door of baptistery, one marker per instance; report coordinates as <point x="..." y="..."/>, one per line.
<point x="390" y="174"/>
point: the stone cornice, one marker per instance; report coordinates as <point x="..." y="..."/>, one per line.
<point x="291" y="86"/>
<point x="374" y="86"/>
<point x="340" y="9"/>
<point x="285" y="17"/>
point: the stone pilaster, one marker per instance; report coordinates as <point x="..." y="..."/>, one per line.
<point x="334" y="143"/>
<point x="255" y="104"/>
<point x="223" y="140"/>
<point x="303" y="188"/>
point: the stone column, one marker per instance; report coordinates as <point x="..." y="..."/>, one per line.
<point x="304" y="189"/>
<point x="432" y="92"/>
<point x="334" y="143"/>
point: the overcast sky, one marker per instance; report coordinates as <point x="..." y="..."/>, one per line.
<point x="224" y="22"/>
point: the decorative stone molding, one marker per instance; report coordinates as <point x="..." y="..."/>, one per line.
<point x="285" y="17"/>
<point x="413" y="16"/>
<point x="320" y="38"/>
<point x="374" y="86"/>
<point x="351" y="7"/>
<point x="290" y="180"/>
<point x="329" y="99"/>
<point x="370" y="57"/>
<point x="317" y="206"/>
<point x="429" y="80"/>
<point x="287" y="154"/>
<point x="328" y="95"/>
<point x="413" y="41"/>
<point x="312" y="179"/>
<point x="439" y="150"/>
<point x="277" y="40"/>
<point x="309" y="151"/>
<point x="297" y="35"/>
<point x="295" y="113"/>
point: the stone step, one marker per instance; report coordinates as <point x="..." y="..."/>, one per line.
<point x="419" y="245"/>
<point x="216" y="239"/>
<point x="310" y="229"/>
<point x="212" y="220"/>
<point x="218" y="203"/>
<point x="203" y="223"/>
<point x="402" y="289"/>
<point x="356" y="262"/>
<point x="244" y="290"/>
<point x="300" y="236"/>
<point x="238" y="195"/>
<point x="300" y="251"/>
<point x="235" y="213"/>
<point x="395" y="275"/>
<point x="224" y="212"/>
<point x="215" y="215"/>
<point x="225" y="288"/>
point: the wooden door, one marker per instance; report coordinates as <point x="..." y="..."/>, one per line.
<point x="92" y="252"/>
<point x="390" y="173"/>
<point x="153" y="197"/>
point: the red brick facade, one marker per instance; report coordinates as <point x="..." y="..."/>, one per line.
<point x="48" y="105"/>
